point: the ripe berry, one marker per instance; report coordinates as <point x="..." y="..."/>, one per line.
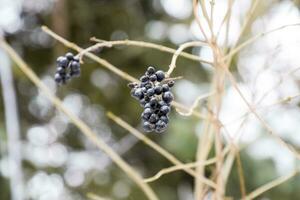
<point x="60" y="70"/>
<point x="144" y="78"/>
<point x="153" y="78"/>
<point x="167" y="97"/>
<point x="153" y="118"/>
<point x="150" y="70"/>
<point x="158" y="90"/>
<point x="165" y="87"/>
<point x="165" y="110"/>
<point x="160" y="75"/>
<point x="58" y="78"/>
<point x="155" y="98"/>
<point x="62" y="62"/>
<point x="150" y="92"/>
<point x="164" y="119"/>
<point x="147" y="126"/>
<point x="69" y="56"/>
<point x="153" y="102"/>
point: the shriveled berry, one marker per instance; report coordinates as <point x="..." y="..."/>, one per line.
<point x="167" y="97"/>
<point x="160" y="75"/>
<point x="171" y="83"/>
<point x="132" y="85"/>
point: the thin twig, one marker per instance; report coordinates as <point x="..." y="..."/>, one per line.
<point x="108" y="65"/>
<point x="195" y="10"/>
<point x="255" y="38"/>
<point x="263" y="122"/>
<point x="270" y="185"/>
<point x="156" y="147"/>
<point x="144" y="45"/>
<point x="92" y="136"/>
<point x="183" y="166"/>
<point x="194" y="105"/>
<point x="12" y="125"/>
<point x="179" y="50"/>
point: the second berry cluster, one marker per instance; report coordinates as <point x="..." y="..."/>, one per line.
<point x="154" y="95"/>
<point x="68" y="66"/>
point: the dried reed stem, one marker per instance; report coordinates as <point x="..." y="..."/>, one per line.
<point x="144" y="45"/>
<point x="79" y="123"/>
<point x="270" y="185"/>
<point x="156" y="147"/>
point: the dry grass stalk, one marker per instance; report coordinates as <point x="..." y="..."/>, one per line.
<point x="79" y="123"/>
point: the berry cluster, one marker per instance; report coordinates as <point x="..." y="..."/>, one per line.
<point x="154" y="95"/>
<point x="68" y="67"/>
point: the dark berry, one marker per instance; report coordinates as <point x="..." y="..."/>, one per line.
<point x="143" y="102"/>
<point x="153" y="118"/>
<point x="144" y="78"/>
<point x="171" y="83"/>
<point x="150" y="70"/>
<point x="148" y="85"/>
<point x="144" y="90"/>
<point x="147" y="105"/>
<point x="162" y="103"/>
<point x="153" y="102"/>
<point x="147" y="99"/>
<point x="167" y="97"/>
<point x="76" y="59"/>
<point x="158" y="90"/>
<point x="153" y="78"/>
<point x="165" y="88"/>
<point x="62" y="62"/>
<point x="60" y="70"/>
<point x="147" y="126"/>
<point x="150" y="92"/>
<point x="57" y="78"/>
<point x="69" y="56"/>
<point x="147" y="113"/>
<point x="75" y="65"/>
<point x="164" y="119"/>
<point x="160" y="75"/>
<point x="138" y="93"/>
<point x="165" y="110"/>
<point x="75" y="73"/>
